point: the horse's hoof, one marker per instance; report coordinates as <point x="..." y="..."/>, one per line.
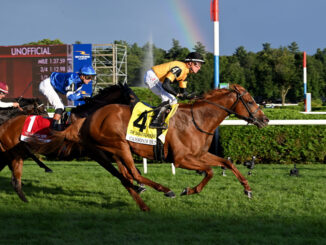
<point x="184" y="192"/>
<point x="145" y="209"/>
<point x="170" y="194"/>
<point x="140" y="189"/>
<point x="23" y="198"/>
<point x="248" y="193"/>
<point x="48" y="170"/>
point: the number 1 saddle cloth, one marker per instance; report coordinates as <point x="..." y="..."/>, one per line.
<point x="138" y="128"/>
<point x="36" y="126"/>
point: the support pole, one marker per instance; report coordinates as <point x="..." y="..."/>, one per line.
<point x="215" y="19"/>
<point x="305" y="80"/>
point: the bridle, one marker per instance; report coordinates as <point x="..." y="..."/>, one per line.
<point x="250" y="119"/>
<point x="37" y="108"/>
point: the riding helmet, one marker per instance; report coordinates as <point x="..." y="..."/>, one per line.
<point x="87" y="70"/>
<point x="194" y="57"/>
<point x="3" y="88"/>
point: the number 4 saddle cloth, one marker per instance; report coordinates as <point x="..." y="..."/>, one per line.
<point x="36" y="126"/>
<point x="138" y="128"/>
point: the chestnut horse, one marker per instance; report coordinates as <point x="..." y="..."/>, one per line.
<point x="14" y="151"/>
<point x="187" y="141"/>
<point x="28" y="106"/>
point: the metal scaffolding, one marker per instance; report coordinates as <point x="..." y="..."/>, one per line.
<point x="110" y="64"/>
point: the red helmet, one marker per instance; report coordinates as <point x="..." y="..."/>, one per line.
<point x="3" y="88"/>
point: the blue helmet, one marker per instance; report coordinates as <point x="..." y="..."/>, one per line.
<point x="87" y="70"/>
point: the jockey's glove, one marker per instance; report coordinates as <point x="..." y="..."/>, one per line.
<point x="77" y="96"/>
<point x="186" y="96"/>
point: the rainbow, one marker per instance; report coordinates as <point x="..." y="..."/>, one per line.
<point x="185" y="19"/>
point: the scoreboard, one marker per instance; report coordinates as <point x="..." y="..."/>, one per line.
<point x="24" y="67"/>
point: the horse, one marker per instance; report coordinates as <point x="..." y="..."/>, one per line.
<point x="14" y="152"/>
<point x="187" y="141"/>
<point x="27" y="106"/>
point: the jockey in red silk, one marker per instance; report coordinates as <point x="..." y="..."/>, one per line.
<point x="3" y="92"/>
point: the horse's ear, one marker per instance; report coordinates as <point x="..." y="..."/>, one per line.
<point x="236" y="87"/>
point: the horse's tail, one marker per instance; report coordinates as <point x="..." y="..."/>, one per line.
<point x="60" y="143"/>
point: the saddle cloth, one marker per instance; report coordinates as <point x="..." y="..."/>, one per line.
<point x="36" y="126"/>
<point x="138" y="130"/>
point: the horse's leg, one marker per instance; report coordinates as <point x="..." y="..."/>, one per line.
<point x="193" y="163"/>
<point x="17" y="172"/>
<point x="204" y="163"/>
<point x="2" y="165"/>
<point x="38" y="161"/>
<point x="100" y="157"/>
<point x="125" y="158"/>
<point x="129" y="176"/>
<point x="213" y="160"/>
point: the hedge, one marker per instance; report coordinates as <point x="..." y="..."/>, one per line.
<point x="276" y="144"/>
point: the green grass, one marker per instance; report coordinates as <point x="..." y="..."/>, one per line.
<point x="80" y="203"/>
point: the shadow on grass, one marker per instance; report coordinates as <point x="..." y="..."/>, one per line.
<point x="158" y="228"/>
<point x="32" y="190"/>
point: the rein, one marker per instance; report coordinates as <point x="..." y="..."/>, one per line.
<point x="250" y="119"/>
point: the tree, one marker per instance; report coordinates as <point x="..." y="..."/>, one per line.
<point x="200" y="48"/>
<point x="284" y="71"/>
<point x="177" y="52"/>
<point x="45" y="42"/>
<point x="294" y="48"/>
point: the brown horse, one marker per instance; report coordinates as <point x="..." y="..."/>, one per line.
<point x="15" y="151"/>
<point x="28" y="106"/>
<point x="187" y="142"/>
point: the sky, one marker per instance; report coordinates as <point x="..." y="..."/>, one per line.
<point x="248" y="23"/>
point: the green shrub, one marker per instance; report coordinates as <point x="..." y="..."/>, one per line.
<point x="282" y="144"/>
<point x="274" y="144"/>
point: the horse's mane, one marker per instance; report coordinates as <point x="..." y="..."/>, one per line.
<point x="213" y="93"/>
<point x="114" y="94"/>
<point x="10" y="112"/>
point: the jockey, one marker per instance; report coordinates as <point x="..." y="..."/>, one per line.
<point x="159" y="80"/>
<point x="3" y="92"/>
<point x="69" y="84"/>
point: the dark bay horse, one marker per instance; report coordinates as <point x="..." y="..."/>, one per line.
<point x="187" y="142"/>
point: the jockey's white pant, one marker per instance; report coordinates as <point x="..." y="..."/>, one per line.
<point x="49" y="92"/>
<point x="154" y="84"/>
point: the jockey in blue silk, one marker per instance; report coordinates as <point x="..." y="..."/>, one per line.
<point x="69" y="84"/>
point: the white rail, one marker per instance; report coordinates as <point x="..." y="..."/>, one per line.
<point x="279" y="122"/>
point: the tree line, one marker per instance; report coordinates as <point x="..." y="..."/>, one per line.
<point x="272" y="74"/>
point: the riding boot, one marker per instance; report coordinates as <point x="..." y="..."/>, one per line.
<point x="56" y="123"/>
<point x="159" y="116"/>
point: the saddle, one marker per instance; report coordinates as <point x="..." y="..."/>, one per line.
<point x="138" y="130"/>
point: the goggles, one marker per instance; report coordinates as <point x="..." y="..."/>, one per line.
<point x="89" y="77"/>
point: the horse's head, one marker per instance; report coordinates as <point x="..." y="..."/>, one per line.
<point x="33" y="106"/>
<point x="246" y="108"/>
